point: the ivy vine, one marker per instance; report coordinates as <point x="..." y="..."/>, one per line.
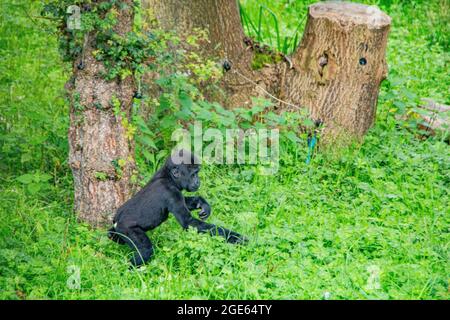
<point x="122" y="55"/>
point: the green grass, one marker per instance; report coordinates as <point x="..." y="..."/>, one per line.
<point x="314" y="228"/>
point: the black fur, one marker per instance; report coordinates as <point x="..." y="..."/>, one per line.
<point x="151" y="206"/>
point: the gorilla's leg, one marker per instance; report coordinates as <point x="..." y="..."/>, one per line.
<point x="138" y="241"/>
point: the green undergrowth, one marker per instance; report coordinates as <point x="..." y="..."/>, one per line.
<point x="370" y="222"/>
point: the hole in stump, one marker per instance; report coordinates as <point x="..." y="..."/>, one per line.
<point x="226" y="65"/>
<point x="362" y="61"/>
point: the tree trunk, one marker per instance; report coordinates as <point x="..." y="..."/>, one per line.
<point x="101" y="156"/>
<point x="219" y="17"/>
<point x="339" y="65"/>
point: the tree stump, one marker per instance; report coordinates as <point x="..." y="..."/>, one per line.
<point x="339" y="66"/>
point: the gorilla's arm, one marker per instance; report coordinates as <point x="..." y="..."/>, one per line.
<point x="193" y="203"/>
<point x="181" y="212"/>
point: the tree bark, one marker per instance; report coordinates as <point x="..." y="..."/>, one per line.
<point x="97" y="136"/>
<point x="339" y="66"/>
<point x="219" y="17"/>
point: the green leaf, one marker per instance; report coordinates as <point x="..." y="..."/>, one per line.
<point x="38" y="139"/>
<point x="399" y="104"/>
<point x="148" y="156"/>
<point x="26" y="157"/>
<point x="161" y="154"/>
<point x="184" y="114"/>
<point x="148" y="141"/>
<point x="26" y="178"/>
<point x="185" y="100"/>
<point x="204" y="115"/>
<point x="308" y="122"/>
<point x="292" y="136"/>
<point x="34" y="188"/>
<point x="43" y="177"/>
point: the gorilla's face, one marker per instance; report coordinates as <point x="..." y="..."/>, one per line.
<point x="186" y="176"/>
<point x="192" y="181"/>
<point x="184" y="167"/>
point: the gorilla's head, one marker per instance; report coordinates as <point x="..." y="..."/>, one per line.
<point x="183" y="167"/>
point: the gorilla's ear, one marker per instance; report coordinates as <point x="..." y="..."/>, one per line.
<point x="176" y="173"/>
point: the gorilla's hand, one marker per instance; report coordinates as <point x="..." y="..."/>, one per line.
<point x="236" y="238"/>
<point x="194" y="203"/>
<point x="205" y="211"/>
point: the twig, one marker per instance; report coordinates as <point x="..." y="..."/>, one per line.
<point x="265" y="91"/>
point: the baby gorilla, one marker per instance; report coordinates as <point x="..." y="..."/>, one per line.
<point x="163" y="194"/>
